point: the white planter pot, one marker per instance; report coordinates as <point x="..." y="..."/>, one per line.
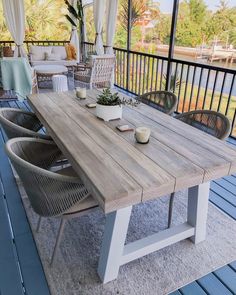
<point x="108" y="113"/>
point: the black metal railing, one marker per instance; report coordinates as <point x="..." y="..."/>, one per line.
<point x="29" y="43"/>
<point x="197" y="86"/>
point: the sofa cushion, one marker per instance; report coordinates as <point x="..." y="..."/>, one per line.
<point x="60" y="50"/>
<point x="38" y="52"/>
<point x="53" y="57"/>
<point x="65" y="62"/>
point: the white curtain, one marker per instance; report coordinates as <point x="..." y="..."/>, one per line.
<point x="74" y="39"/>
<point x="15" y="20"/>
<point x="111" y="12"/>
<point x="98" y="13"/>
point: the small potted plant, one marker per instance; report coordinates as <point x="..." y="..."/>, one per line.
<point x="109" y="106"/>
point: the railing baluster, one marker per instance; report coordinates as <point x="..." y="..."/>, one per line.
<point x="140" y="74"/>
<point x="186" y="88"/>
<point x="199" y="88"/>
<point x="152" y="75"/>
<point x="136" y="75"/>
<point x="162" y="65"/>
<point x="230" y="94"/>
<point x="221" y="92"/>
<point x="132" y="71"/>
<point x="175" y="75"/>
<point x="180" y="85"/>
<point x="206" y="89"/>
<point x="192" y="88"/>
<point x="157" y="69"/>
<point x="148" y="70"/>
<point x="233" y="124"/>
<point x="123" y="71"/>
<point x="144" y="74"/>
<point x="213" y="90"/>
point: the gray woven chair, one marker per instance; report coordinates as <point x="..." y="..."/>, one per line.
<point x="163" y="101"/>
<point x="20" y="123"/>
<point x="211" y="122"/>
<point x="60" y="194"/>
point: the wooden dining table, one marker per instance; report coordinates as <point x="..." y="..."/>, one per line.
<point x="120" y="173"/>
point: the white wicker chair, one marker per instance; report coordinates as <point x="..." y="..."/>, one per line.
<point x="96" y="75"/>
<point x="60" y="194"/>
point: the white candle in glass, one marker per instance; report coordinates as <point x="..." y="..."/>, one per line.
<point x="80" y="92"/>
<point x="142" y="134"/>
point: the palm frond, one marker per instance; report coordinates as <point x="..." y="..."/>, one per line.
<point x="70" y="20"/>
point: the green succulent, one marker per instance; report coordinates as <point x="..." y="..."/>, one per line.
<point x="109" y="99"/>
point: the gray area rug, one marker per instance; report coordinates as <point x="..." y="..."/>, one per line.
<point x="74" y="271"/>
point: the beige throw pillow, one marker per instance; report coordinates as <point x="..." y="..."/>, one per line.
<point x="52" y="56"/>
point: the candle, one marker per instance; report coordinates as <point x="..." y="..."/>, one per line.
<point x="142" y="134"/>
<point x="80" y="92"/>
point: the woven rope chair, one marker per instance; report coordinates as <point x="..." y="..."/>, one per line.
<point x="211" y="122"/>
<point x="98" y="75"/>
<point x="163" y="101"/>
<point x="19" y="123"/>
<point x="60" y="194"/>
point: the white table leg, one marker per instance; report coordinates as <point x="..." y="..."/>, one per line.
<point x="197" y="210"/>
<point x="113" y="244"/>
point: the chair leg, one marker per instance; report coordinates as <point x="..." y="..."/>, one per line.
<point x="58" y="240"/>
<point x="171" y="202"/>
<point x="38" y="224"/>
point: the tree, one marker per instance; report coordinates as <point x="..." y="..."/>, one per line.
<point x="198" y="11"/>
<point x="138" y="9"/>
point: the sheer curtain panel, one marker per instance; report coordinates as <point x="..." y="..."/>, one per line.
<point x="14" y="14"/>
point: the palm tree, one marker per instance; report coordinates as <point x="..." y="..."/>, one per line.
<point x="138" y="9"/>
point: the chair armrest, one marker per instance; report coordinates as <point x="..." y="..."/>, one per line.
<point x="83" y="67"/>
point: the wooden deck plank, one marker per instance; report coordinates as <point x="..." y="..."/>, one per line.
<point x="228" y="277"/>
<point x="223" y="193"/>
<point x="233" y="265"/>
<point x="25" y="248"/>
<point x="223" y="204"/>
<point x="232" y="180"/>
<point x="10" y="279"/>
<point x="193" y="289"/>
<point x="15" y="206"/>
<point x="32" y="270"/>
<point x="213" y="286"/>
<point x="176" y="293"/>
<point x="227" y="185"/>
<point x="9" y="271"/>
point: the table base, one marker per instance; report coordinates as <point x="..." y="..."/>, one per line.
<point x="115" y="253"/>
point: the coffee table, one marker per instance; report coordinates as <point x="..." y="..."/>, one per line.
<point x="45" y="72"/>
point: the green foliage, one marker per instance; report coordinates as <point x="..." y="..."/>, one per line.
<point x="138" y="8"/>
<point x="109" y="99"/>
<point x="76" y="13"/>
<point x="198" y="11"/>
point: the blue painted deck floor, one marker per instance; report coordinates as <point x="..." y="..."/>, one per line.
<point x="21" y="271"/>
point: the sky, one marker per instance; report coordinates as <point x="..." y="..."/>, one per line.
<point x="166" y="5"/>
